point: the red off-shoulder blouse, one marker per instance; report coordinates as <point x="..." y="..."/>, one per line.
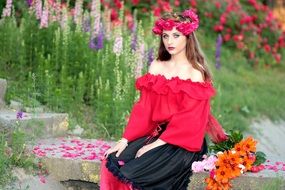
<point x="184" y="104"/>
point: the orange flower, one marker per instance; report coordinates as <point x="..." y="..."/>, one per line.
<point x="231" y="163"/>
<point x="212" y="184"/>
<point x="234" y="158"/>
<point x="234" y="171"/>
<point x="229" y="159"/>
<point x="239" y="148"/>
<point x="247" y="162"/>
<point x="222" y="159"/>
<point x="223" y="174"/>
<point x="249" y="144"/>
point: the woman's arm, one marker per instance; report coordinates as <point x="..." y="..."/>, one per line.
<point x="150" y="146"/>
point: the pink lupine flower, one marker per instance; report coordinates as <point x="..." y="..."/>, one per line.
<point x="7" y="10"/>
<point x="44" y="17"/>
<point x="118" y="45"/>
<point x="38" y="7"/>
<point x="96" y="14"/>
<point x="78" y="12"/>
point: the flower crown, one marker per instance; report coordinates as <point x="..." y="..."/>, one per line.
<point x="185" y="27"/>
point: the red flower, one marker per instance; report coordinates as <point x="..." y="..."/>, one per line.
<point x="246" y="19"/>
<point x="144" y="10"/>
<point x="118" y="4"/>
<point x="135" y="2"/>
<point x="227" y="37"/>
<point x="157" y="11"/>
<point x="209" y="15"/>
<point x="187" y="28"/>
<point x="267" y="48"/>
<point x="166" y="6"/>
<point x="223" y="19"/>
<point x="218" y="4"/>
<point x="176" y="3"/>
<point x="251" y="55"/>
<point x="240" y="45"/>
<point x="277" y="57"/>
<point x="129" y="18"/>
<point x="193" y="3"/>
<point x="168" y="24"/>
<point x="218" y="28"/>
<point x="114" y="15"/>
<point x="238" y="37"/>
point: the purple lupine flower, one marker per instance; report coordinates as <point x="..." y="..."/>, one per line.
<point x="100" y="38"/>
<point x="29" y="2"/>
<point x="19" y="115"/>
<point x="218" y="51"/>
<point x="134" y="37"/>
<point x="134" y="42"/>
<point x="86" y="24"/>
<point x="92" y="44"/>
<point x="150" y="56"/>
<point x="7" y="10"/>
<point x="118" y="45"/>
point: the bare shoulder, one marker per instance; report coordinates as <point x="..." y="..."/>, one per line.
<point x="194" y="74"/>
<point x="197" y="76"/>
<point x="155" y="67"/>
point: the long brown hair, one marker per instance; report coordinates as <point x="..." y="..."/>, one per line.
<point x="194" y="53"/>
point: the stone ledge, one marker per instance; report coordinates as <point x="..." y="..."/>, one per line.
<point x="70" y="170"/>
<point x="40" y="124"/>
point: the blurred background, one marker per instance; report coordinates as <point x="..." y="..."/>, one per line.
<point x="82" y="57"/>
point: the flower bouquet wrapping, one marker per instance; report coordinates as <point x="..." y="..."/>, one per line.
<point x="230" y="159"/>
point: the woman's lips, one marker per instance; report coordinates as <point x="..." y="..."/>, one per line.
<point x="171" y="48"/>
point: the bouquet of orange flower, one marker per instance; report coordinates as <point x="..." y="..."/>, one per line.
<point x="234" y="157"/>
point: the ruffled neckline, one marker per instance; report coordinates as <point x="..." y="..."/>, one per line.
<point x="162" y="85"/>
<point x="179" y="79"/>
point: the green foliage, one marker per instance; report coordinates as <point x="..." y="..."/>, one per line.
<point x="234" y="137"/>
<point x="13" y="153"/>
<point x="55" y="67"/>
<point x="5" y="173"/>
<point x="260" y="158"/>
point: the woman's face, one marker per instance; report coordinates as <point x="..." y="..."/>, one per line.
<point x="174" y="41"/>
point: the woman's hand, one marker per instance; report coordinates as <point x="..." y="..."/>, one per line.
<point x="119" y="147"/>
<point x="148" y="147"/>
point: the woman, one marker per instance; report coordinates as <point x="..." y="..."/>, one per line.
<point x="166" y="130"/>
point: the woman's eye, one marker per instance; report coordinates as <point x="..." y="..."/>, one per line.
<point x="176" y="36"/>
<point x="164" y="36"/>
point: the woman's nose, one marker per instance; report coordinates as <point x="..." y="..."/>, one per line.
<point x="170" y="41"/>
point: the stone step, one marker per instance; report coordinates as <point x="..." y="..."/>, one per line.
<point x="35" y="124"/>
<point x="76" y="162"/>
<point x="3" y="87"/>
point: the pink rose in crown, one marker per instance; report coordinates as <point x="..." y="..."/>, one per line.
<point x="191" y="14"/>
<point x="168" y="24"/>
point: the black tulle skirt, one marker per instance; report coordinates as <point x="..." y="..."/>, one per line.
<point x="166" y="167"/>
